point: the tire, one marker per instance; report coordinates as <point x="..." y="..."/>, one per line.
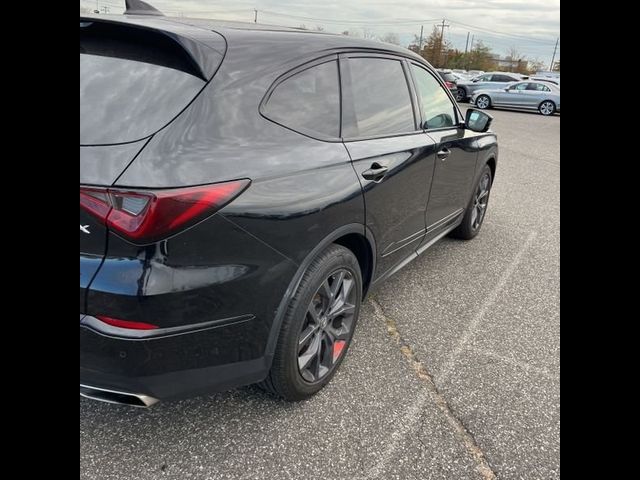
<point x="547" y="108"/>
<point x="483" y="102"/>
<point x="308" y="307"/>
<point x="470" y="226"/>
<point x="461" y="95"/>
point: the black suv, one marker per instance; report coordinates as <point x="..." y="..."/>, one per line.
<point x="242" y="187"/>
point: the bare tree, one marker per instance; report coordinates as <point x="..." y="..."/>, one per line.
<point x="518" y="62"/>
<point x="513" y="54"/>
<point x="391" y="38"/>
<point x="352" y="33"/>
<point x="368" y="34"/>
<point x="536" y="65"/>
<point x="319" y="28"/>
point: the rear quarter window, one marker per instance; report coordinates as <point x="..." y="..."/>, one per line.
<point x="308" y="101"/>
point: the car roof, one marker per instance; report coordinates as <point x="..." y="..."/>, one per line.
<point x="513" y="74"/>
<point x="243" y="31"/>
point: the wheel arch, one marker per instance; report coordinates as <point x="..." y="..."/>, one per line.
<point x="491" y="161"/>
<point x="357" y="238"/>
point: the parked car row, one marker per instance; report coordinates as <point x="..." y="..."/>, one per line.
<point x="487" y="80"/>
<point x="505" y="89"/>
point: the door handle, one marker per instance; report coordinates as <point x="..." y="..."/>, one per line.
<point x="376" y="172"/>
<point x="444" y="153"/>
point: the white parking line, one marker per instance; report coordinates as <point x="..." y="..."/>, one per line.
<point x="527" y="367"/>
<point x="488" y="302"/>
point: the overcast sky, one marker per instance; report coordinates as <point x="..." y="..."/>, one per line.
<point x="530" y="26"/>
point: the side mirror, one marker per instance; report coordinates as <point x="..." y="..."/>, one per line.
<point x="475" y="80"/>
<point x="477" y="120"/>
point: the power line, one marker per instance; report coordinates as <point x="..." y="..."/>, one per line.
<point x="355" y="22"/>
<point x="496" y="32"/>
<point x="402" y="22"/>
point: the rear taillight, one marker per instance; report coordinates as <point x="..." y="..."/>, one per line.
<point x="146" y="216"/>
<point x="450" y="84"/>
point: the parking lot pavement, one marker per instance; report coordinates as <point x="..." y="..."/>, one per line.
<point x="453" y="373"/>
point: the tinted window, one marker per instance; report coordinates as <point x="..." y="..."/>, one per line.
<point x="538" y="87"/>
<point x="308" y="101"/>
<point x="132" y="83"/>
<point x="519" y="86"/>
<point x="381" y="99"/>
<point x="437" y="108"/>
<point x="484" y="78"/>
<point x="503" y="78"/>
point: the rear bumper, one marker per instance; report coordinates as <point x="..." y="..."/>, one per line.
<point x="171" y="365"/>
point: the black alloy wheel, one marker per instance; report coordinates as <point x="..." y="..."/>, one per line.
<point x="327" y="326"/>
<point x="480" y="200"/>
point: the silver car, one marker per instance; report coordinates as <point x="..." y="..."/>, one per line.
<point x="484" y="81"/>
<point x="532" y="95"/>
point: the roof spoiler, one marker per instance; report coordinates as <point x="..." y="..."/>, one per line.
<point x="204" y="58"/>
<point x="138" y="7"/>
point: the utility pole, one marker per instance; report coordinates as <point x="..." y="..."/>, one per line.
<point x="466" y="44"/>
<point x="442" y="38"/>
<point x="554" y="55"/>
<point x="255" y="16"/>
<point x="420" y="43"/>
<point x="470" y="50"/>
<point x="105" y="9"/>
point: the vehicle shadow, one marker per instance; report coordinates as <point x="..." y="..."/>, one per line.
<point x="99" y="414"/>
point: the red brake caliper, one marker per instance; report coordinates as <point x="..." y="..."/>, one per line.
<point x="338" y="346"/>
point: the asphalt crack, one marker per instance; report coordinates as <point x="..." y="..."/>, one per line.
<point x="421" y="371"/>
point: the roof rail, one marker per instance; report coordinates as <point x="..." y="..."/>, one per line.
<point x="138" y="7"/>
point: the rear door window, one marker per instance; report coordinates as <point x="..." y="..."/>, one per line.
<point x="380" y="99"/>
<point x="308" y="101"/>
<point x="539" y="87"/>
